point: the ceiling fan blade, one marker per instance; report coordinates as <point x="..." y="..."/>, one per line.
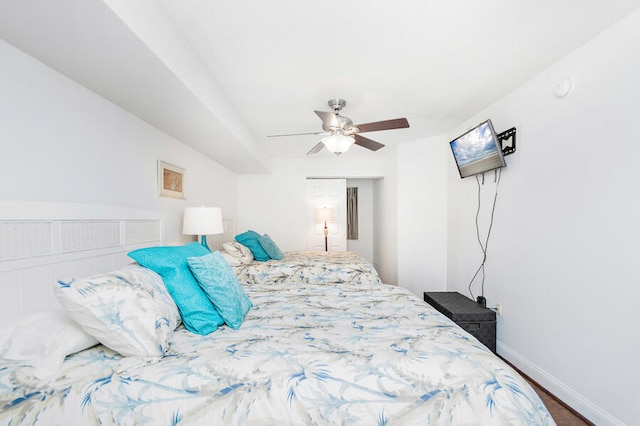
<point x="329" y="119"/>
<point x="296" y="134"/>
<point x="398" y="123"/>
<point x="367" y="143"/>
<point x="316" y="148"/>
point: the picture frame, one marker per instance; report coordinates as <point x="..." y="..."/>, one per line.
<point x="172" y="180"/>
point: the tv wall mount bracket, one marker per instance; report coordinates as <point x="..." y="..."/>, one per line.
<point x="507" y="141"/>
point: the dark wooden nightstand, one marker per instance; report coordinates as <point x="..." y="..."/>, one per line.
<point x="479" y="321"/>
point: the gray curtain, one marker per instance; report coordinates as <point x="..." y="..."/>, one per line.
<point x="352" y="213"/>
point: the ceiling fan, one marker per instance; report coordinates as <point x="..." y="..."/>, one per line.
<point x="340" y="132"/>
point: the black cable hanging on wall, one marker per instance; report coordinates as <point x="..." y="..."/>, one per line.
<point x="483" y="246"/>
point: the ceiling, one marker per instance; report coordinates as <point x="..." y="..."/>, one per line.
<point x="223" y="75"/>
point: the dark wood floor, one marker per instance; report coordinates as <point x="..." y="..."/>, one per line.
<point x="561" y="414"/>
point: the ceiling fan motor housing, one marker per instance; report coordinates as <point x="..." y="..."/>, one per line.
<point x="338" y="124"/>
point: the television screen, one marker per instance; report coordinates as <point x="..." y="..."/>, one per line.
<point x="478" y="150"/>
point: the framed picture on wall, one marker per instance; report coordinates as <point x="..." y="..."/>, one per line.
<point x="172" y="180"/>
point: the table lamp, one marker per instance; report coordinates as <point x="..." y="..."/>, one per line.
<point x="202" y="221"/>
<point x="325" y="215"/>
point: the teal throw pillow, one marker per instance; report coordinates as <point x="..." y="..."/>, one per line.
<point x="250" y="239"/>
<point x="270" y="247"/>
<point x="221" y="285"/>
<point x="170" y="262"/>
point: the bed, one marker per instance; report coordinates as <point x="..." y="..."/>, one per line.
<point x="350" y="352"/>
<point x="306" y="267"/>
<point x="305" y="354"/>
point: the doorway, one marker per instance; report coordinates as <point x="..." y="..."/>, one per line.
<point x="364" y="242"/>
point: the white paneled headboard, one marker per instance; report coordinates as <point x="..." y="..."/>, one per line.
<point x="215" y="241"/>
<point x="41" y="243"/>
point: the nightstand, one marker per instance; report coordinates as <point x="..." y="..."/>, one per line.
<point x="477" y="320"/>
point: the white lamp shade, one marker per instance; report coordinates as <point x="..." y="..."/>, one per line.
<point x="337" y="144"/>
<point x="325" y="215"/>
<point x="202" y="221"/>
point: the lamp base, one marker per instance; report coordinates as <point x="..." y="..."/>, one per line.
<point x="203" y="241"/>
<point x="326" y="237"/>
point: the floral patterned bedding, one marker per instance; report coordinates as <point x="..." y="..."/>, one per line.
<point x="306" y="354"/>
<point x="310" y="267"/>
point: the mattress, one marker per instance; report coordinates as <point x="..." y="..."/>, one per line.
<point x="349" y="353"/>
<point x="310" y="267"/>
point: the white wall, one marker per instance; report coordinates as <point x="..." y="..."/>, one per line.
<point x="422" y="215"/>
<point x="61" y="142"/>
<point x="385" y="221"/>
<point x="564" y="248"/>
<point x="364" y="244"/>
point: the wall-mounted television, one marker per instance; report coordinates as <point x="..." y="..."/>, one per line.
<point x="478" y="150"/>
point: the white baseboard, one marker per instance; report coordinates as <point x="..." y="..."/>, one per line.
<point x="573" y="399"/>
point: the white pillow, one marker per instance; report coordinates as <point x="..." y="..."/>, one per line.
<point x="129" y="311"/>
<point x="43" y="340"/>
<point x="239" y="251"/>
<point x="232" y="261"/>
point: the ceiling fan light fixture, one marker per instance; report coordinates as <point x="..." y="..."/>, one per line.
<point x="337" y="144"/>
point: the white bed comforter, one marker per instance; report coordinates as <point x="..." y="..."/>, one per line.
<point x="310" y="267"/>
<point x="305" y="354"/>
